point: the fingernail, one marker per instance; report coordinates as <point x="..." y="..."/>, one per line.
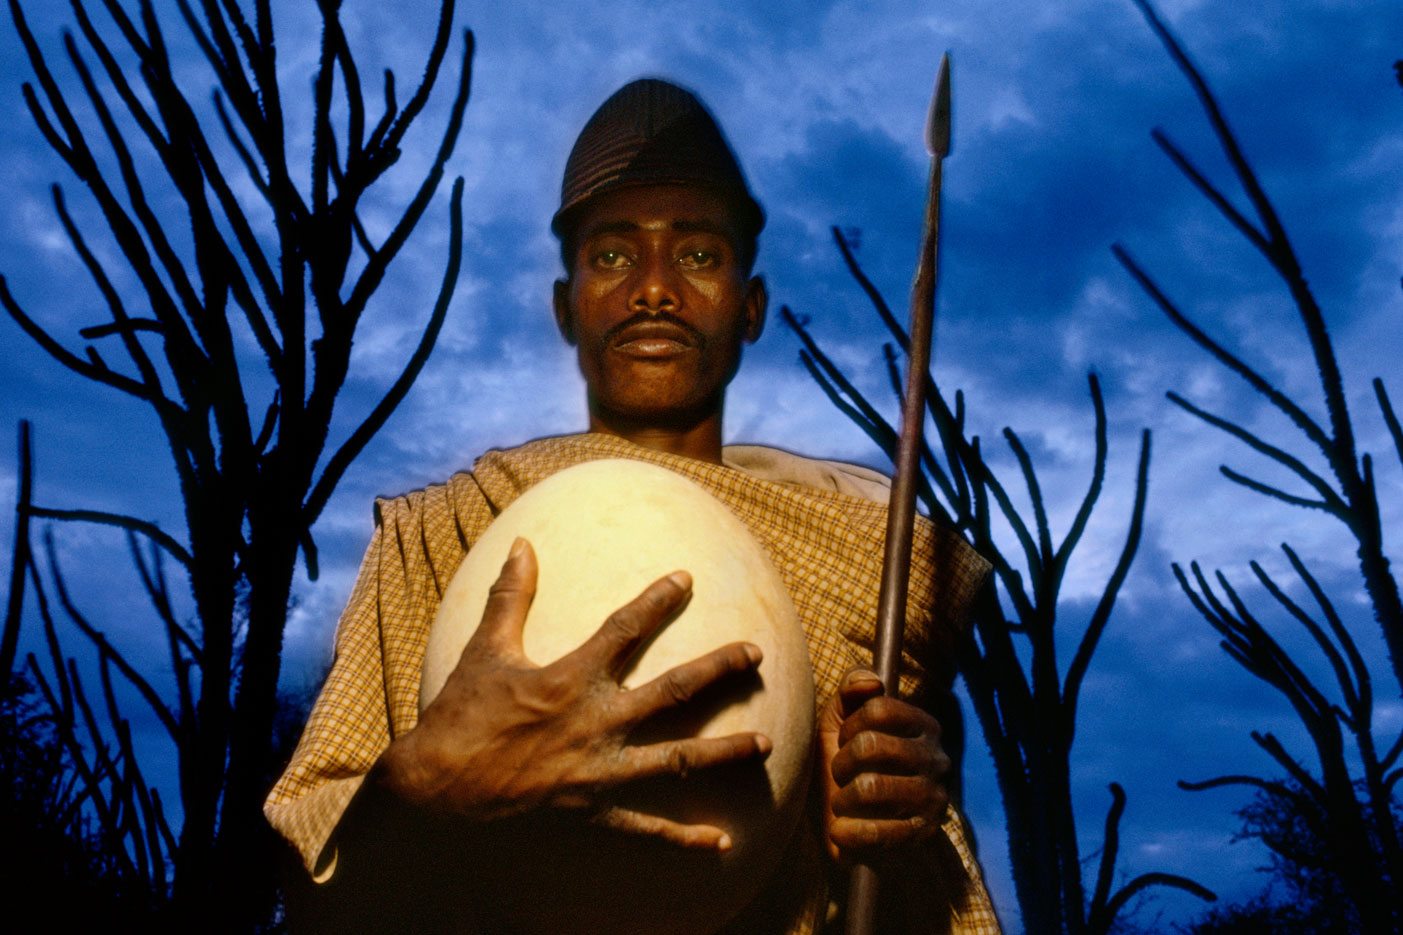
<point x="724" y="844"/>
<point x="681" y="579"/>
<point x="763" y="744"/>
<point x="518" y="547"/>
<point x="753" y="653"/>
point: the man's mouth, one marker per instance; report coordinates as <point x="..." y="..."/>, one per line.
<point x="653" y="338"/>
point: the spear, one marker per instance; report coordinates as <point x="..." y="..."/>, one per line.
<point x="896" y="566"/>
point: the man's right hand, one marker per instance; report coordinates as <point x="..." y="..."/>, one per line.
<point x="506" y="737"/>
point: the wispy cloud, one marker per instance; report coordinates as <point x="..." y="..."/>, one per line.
<point x="824" y="103"/>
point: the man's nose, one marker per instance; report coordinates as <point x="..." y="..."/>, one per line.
<point x="655" y="285"/>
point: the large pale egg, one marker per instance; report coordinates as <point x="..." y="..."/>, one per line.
<point x="603" y="531"/>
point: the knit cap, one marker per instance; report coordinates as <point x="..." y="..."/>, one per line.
<point x="651" y="132"/>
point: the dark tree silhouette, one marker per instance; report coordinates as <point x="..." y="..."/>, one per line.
<point x="74" y="805"/>
<point x="1028" y="715"/>
<point x="1351" y="816"/>
<point x="241" y="291"/>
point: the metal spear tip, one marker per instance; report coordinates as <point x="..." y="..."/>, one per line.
<point x="938" y="117"/>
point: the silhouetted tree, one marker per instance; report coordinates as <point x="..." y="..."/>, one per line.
<point x="77" y="812"/>
<point x="1028" y="715"/>
<point x="1305" y="892"/>
<point x="244" y="263"/>
<point x="1351" y="817"/>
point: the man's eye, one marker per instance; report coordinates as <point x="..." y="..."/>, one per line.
<point x="610" y="259"/>
<point x="698" y="259"/>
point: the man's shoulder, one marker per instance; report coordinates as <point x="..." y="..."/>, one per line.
<point x="520" y="466"/>
<point x="786" y="467"/>
<point x="540" y="456"/>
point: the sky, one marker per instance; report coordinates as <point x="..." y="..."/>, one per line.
<point x="824" y="103"/>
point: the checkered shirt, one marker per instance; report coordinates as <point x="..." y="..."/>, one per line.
<point x="826" y="543"/>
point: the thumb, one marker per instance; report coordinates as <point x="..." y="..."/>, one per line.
<point x="857" y="685"/>
<point x="508" y="600"/>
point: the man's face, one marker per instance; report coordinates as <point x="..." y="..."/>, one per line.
<point x="659" y="303"/>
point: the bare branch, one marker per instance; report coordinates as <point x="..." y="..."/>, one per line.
<point x="1081" y="661"/>
<point x="107" y="650"/>
<point x="985" y="478"/>
<point x="1093" y="491"/>
<point x="153" y="580"/>
<point x="1278" y="494"/>
<point x="431" y="69"/>
<point x="51" y="643"/>
<point x="19" y="556"/>
<point x="1390" y="418"/>
<point x="887" y="441"/>
<point x="270" y="421"/>
<point x="122" y="328"/>
<point x="231" y="133"/>
<point x="985" y="483"/>
<point x="336" y="467"/>
<point x="881" y="434"/>
<point x="1255" y="380"/>
<point x="146" y="528"/>
<point x="125" y="231"/>
<point x="1109" y="849"/>
<point x="1280" y="456"/>
<point x="1146" y="880"/>
<point x="1275" y="234"/>
<point x="1269" y="743"/>
<point x="355" y="99"/>
<point x="58" y="352"/>
<point x="46" y="127"/>
<point x="880" y="304"/>
<point x="1340" y="450"/>
<point x="1044" y="550"/>
<point x="1332" y="655"/>
<point x="1275" y="788"/>
<point x="1275" y="665"/>
<point x="375" y="269"/>
<point x="1244" y="226"/>
<point x="149" y="377"/>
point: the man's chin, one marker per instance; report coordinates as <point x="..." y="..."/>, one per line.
<point x="653" y="413"/>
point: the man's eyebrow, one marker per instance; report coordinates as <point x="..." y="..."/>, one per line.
<point x="681" y="224"/>
<point x="611" y="227"/>
<point x="701" y="227"/>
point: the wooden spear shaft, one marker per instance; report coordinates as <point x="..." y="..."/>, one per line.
<point x="896" y="566"/>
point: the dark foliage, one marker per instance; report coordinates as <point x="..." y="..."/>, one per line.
<point x="39" y="815"/>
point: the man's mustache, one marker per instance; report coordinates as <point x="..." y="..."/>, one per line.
<point x="694" y="336"/>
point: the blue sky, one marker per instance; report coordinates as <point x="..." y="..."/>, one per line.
<point x="824" y="103"/>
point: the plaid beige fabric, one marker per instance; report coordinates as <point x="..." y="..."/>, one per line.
<point x="827" y="546"/>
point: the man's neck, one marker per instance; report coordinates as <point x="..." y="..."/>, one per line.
<point x="701" y="440"/>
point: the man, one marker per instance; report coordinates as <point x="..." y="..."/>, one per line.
<point x="393" y="808"/>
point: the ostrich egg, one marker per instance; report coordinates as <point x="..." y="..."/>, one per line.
<point x="603" y="531"/>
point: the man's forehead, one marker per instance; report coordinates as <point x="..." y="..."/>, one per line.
<point x="655" y="208"/>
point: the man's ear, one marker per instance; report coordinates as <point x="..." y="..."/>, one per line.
<point x="563" y="319"/>
<point x="757" y="300"/>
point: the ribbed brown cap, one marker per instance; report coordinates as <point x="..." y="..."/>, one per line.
<point x="651" y="132"/>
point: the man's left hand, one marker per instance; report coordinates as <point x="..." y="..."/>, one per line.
<point x="882" y="769"/>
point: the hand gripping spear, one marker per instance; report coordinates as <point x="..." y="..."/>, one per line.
<point x="896" y="567"/>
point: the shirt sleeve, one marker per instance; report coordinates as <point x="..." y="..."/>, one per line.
<point x="371" y="694"/>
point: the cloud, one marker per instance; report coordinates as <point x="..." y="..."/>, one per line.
<point x="825" y="103"/>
